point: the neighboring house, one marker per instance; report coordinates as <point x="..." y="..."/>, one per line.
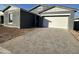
<point x="1" y="17"/>
<point x="56" y="16"/>
<point x="18" y="18"/>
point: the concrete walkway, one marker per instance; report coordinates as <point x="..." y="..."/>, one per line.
<point x="43" y="41"/>
<point x="4" y="51"/>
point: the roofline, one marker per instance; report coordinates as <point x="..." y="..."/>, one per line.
<point x="77" y="18"/>
<point x="20" y="8"/>
<point x="34" y="7"/>
<point x="9" y="7"/>
<point x="0" y="10"/>
<point x="47" y="9"/>
<point x="6" y="8"/>
<point x="58" y="6"/>
<point x="67" y="7"/>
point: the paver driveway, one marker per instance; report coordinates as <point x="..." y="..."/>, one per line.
<point x="43" y="40"/>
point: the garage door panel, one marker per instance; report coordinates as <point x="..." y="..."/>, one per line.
<point x="60" y="22"/>
<point x="57" y="22"/>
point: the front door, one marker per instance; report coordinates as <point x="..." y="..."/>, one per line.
<point x="37" y="21"/>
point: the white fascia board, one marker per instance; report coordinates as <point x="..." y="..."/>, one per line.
<point x="53" y="14"/>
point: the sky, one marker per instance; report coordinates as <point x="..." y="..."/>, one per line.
<point x="30" y="6"/>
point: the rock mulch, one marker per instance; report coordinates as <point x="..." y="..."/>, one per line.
<point x="7" y="33"/>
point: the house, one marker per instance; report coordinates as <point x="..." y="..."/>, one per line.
<point x="39" y="16"/>
<point x="18" y="17"/>
<point x="56" y="16"/>
<point x="1" y="17"/>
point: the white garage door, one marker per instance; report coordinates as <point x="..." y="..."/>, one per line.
<point x="55" y="22"/>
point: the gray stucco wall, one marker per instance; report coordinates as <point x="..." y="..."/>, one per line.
<point x="71" y="20"/>
<point x="27" y="19"/>
<point x="16" y="18"/>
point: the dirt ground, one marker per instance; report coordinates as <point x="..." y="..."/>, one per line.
<point x="7" y="33"/>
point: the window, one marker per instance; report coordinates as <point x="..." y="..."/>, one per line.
<point x="10" y="18"/>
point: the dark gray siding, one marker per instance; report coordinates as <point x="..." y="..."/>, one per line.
<point x="39" y="21"/>
<point x="76" y="25"/>
<point x="0" y="20"/>
<point x="27" y="19"/>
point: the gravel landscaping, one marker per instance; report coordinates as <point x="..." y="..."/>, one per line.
<point x="4" y="51"/>
<point x="7" y="33"/>
<point x="43" y="41"/>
